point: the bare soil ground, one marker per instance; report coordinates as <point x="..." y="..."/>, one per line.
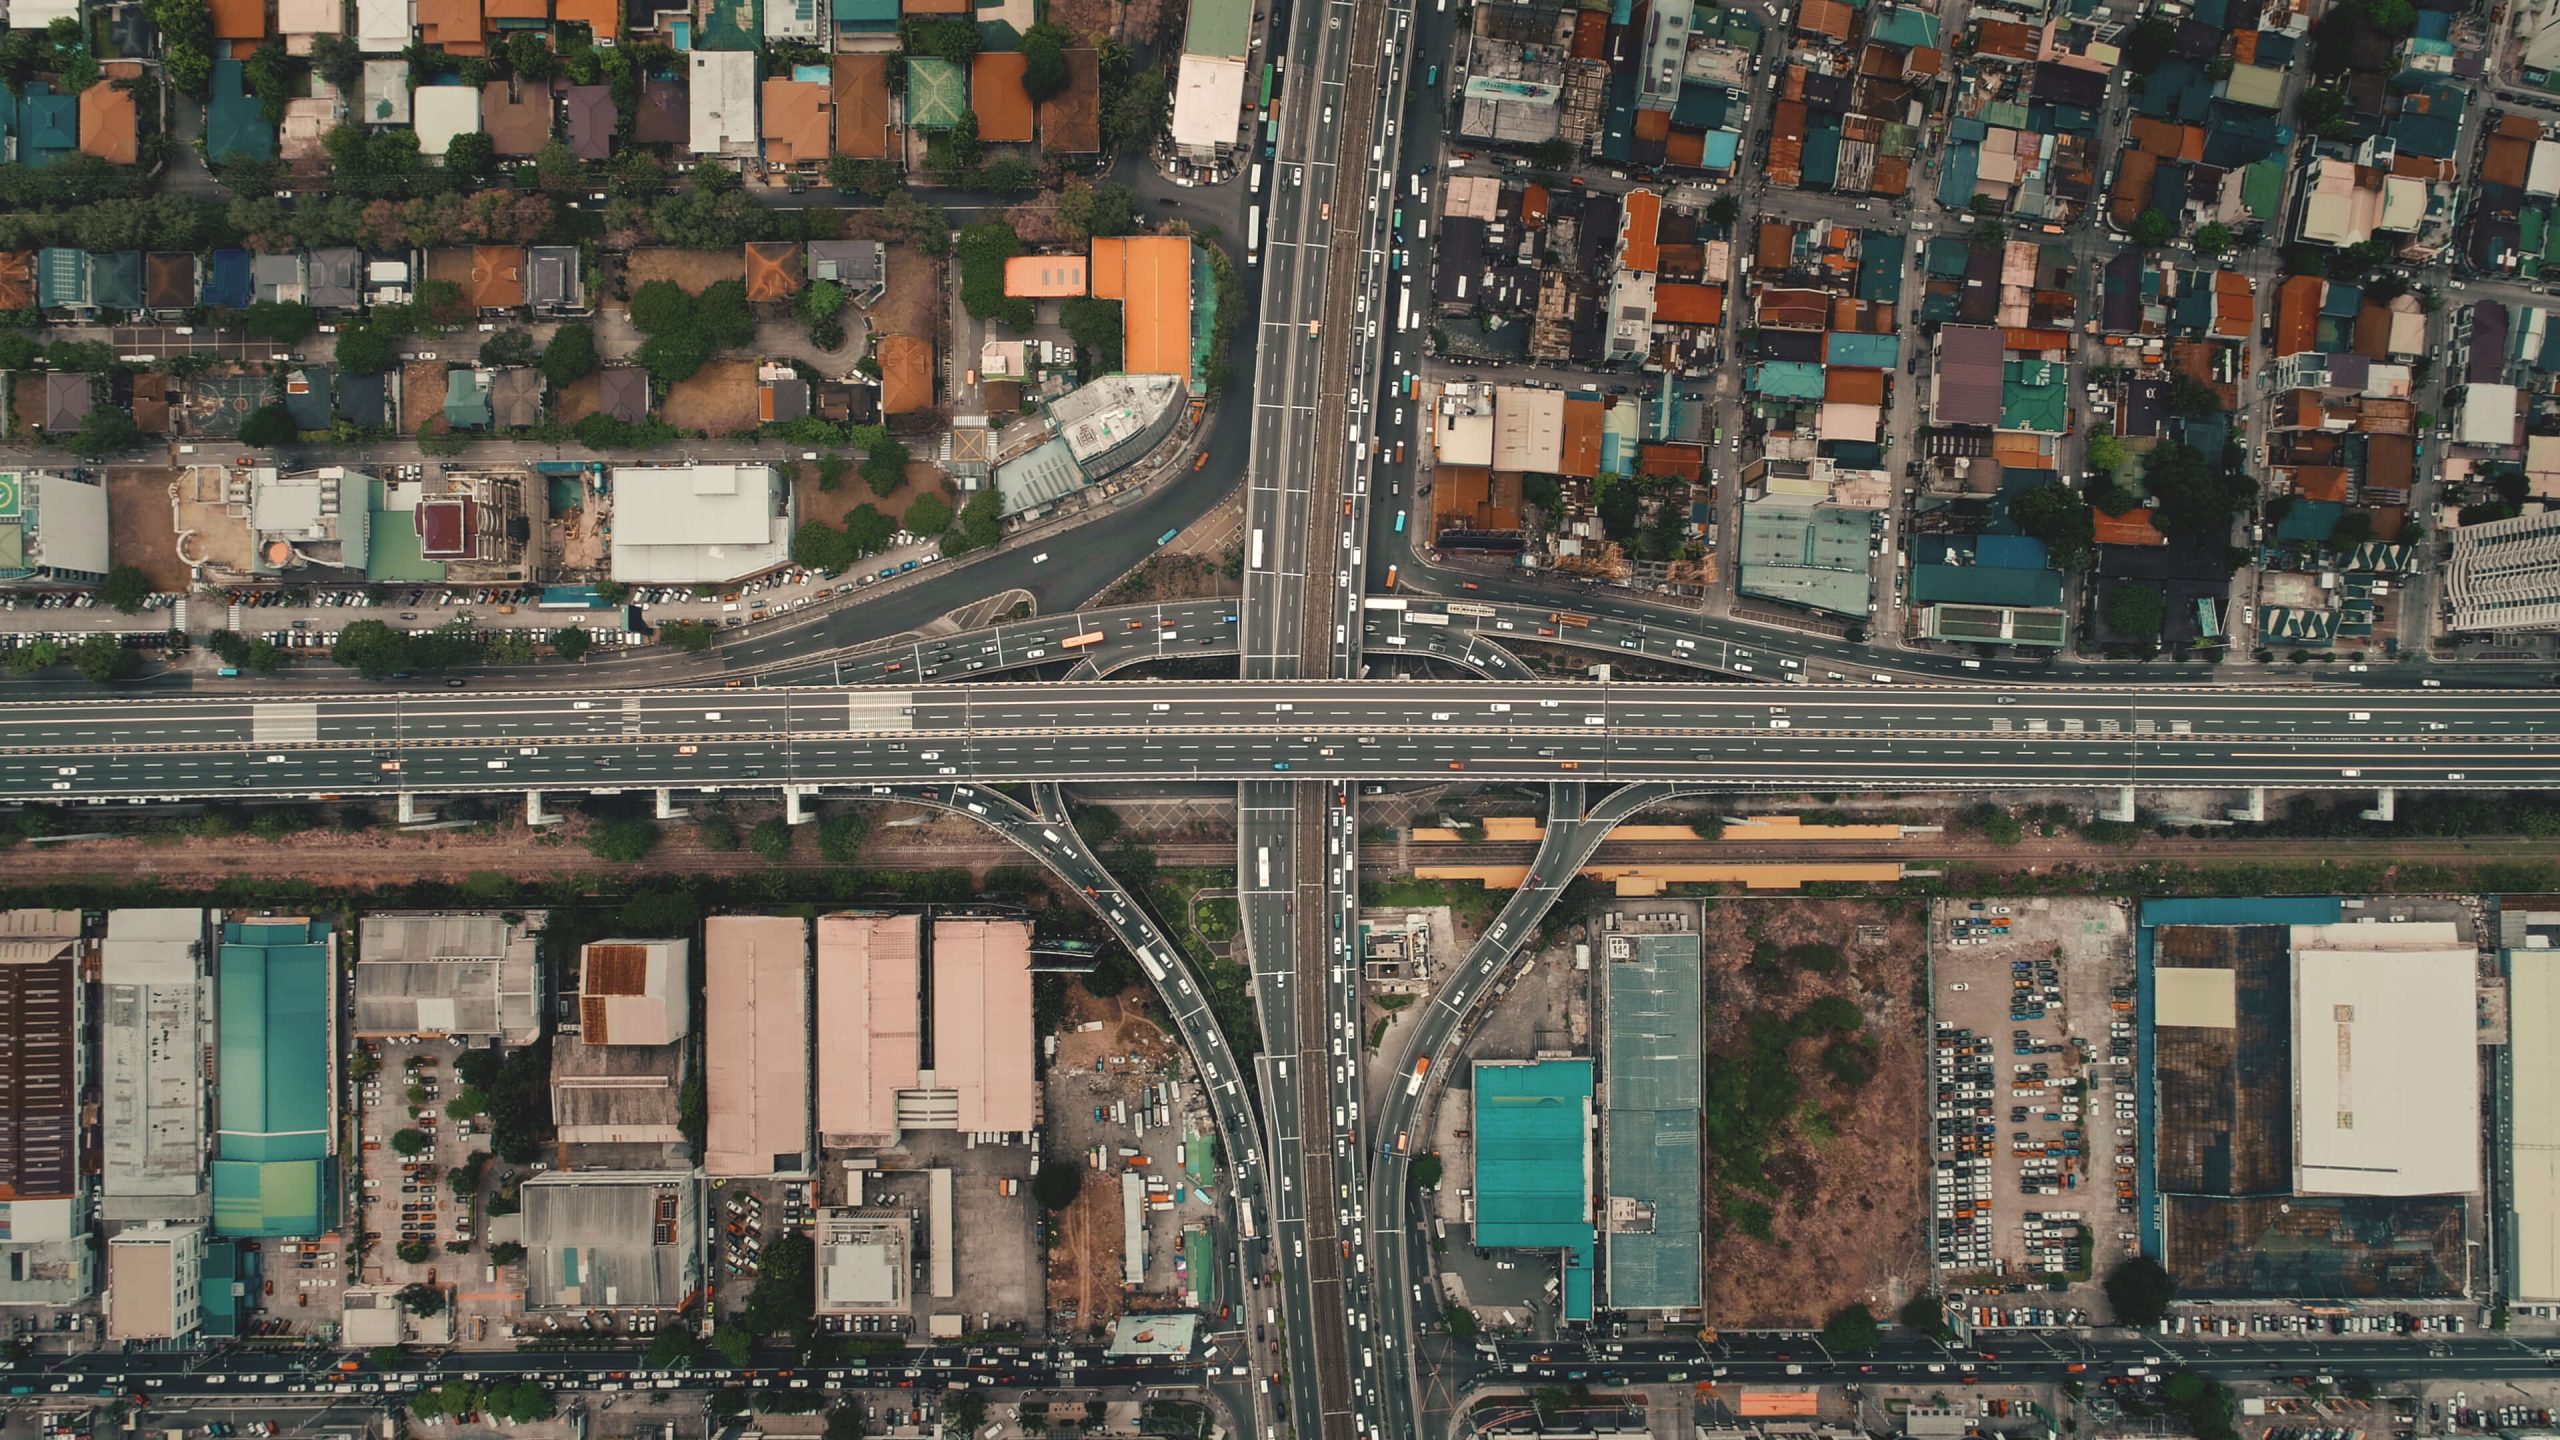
<point x="911" y="303"/>
<point x="694" y="271"/>
<point x="719" y="400"/>
<point x="421" y="392"/>
<point x="1849" y="1167"/>
<point x="138" y="525"/>
<point x="574" y="403"/>
<point x="1084" y="1267"/>
<point x="214" y="536"/>
<point x="1172" y="577"/>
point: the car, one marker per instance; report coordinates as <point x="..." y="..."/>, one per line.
<point x="1960" y="985"/>
<point x="1276" y="765"/>
<point x="1040" y="559"/>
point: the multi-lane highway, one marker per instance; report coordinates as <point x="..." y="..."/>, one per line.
<point x="1741" y="736"/>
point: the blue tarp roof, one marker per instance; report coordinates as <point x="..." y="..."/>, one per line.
<point x="226" y="280"/>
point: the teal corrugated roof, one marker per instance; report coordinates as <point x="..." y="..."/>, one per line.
<point x="1787" y="380"/>
<point x="274" y="1045"/>
<point x="1982" y="585"/>
<point x="1872" y="352"/>
<point x="235" y="127"/>
<point x="48" y="126"/>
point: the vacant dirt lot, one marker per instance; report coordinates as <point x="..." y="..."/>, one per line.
<point x="574" y="403"/>
<point x="1836" y="1189"/>
<point x="721" y="399"/>
<point x="1132" y="1050"/>
<point x="911" y="303"/>
<point x="694" y="271"/>
<point x="138" y="525"/>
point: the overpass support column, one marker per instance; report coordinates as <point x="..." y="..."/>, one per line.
<point x="2256" y="807"/>
<point x="2122" y="808"/>
<point x="668" y="809"/>
<point x="2385" y="804"/>
<point x="410" y="814"/>
<point x="793" y="812"/>
<point x="534" y="814"/>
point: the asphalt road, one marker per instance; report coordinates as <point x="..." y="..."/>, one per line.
<point x="1848" y="736"/>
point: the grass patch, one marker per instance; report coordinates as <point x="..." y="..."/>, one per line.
<point x="1466" y="899"/>
<point x="1378" y="1033"/>
<point x="1393" y="1003"/>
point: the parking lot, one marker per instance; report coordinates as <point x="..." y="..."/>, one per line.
<point x="405" y="1202"/>
<point x="2033" y="1076"/>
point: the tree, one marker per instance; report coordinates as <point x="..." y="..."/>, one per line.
<point x="267" y="427"/>
<point x="509" y="348"/>
<point x="1425" y="1172"/>
<point x="691" y="636"/>
<point x="2150" y="228"/>
<point x="505" y="1252"/>
<point x="1044" y="57"/>
<point x="840" y="837"/>
<point x="1552" y="154"/>
<point x="283" y="321"/>
<point x="1926" y="1313"/>
<point x="2198" y="496"/>
<point x="409" y="1142"/>
<point x="364" y="350"/>
<point x="845" y="1423"/>
<point x="928" y="515"/>
<point x="1096" y="327"/>
<point x="571" y="643"/>
<point x="472" y="155"/>
<point x="373" y="649"/>
<point x="624" y="841"/>
<point x="2214" y="238"/>
<point x="2134" y="612"/>
<point x="1104" y="210"/>
<point x="336" y="59"/>
<point x="415" y="1252"/>
<point x="722" y="312"/>
<point x="2139" y="1292"/>
<point x="817" y="545"/>
<point x="1060" y="1180"/>
<point x="868" y="528"/>
<point x="2106" y="450"/>
<point x="1851" y="1331"/>
<point x="884" y="465"/>
<point x="1723" y="211"/>
<point x="105" y="431"/>
<point x="964" y="1412"/>
<point x="571" y="355"/>
<point x="125" y="588"/>
<point x="672" y="1349"/>
<point x="2060" y="518"/>
<point x="981" y="524"/>
<point x="771" y="840"/>
<point x="101" y="658"/>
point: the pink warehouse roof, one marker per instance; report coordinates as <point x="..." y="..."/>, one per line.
<point x="870" y="1023"/>
<point x="756" y="1044"/>
<point x="982" y="1040"/>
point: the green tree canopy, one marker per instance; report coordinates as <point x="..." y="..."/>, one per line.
<point x="2150" y="228"/>
<point x="2135" y="612"/>
<point x="2139" y="1292"/>
<point x="2060" y="518"/>
<point x="125" y="589"/>
<point x="1851" y="1331"/>
<point x="928" y="515"/>
<point x="267" y="427"/>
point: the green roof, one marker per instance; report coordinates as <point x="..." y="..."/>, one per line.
<point x="275" y="1040"/>
<point x="2034" y="395"/>
<point x="1986" y="585"/>
<point x="1219" y="29"/>
<point x="48" y="126"/>
<point x="466" y="400"/>
<point x="236" y="126"/>
<point x="2262" y="189"/>
<point x="867" y="14"/>
<point x="1656" y="1087"/>
<point x="937" y="93"/>
<point x="394" y="553"/>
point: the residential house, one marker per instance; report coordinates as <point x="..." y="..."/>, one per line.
<point x="794" y="20"/>
<point x="453" y="26"/>
<point x="863" y="128"/>
<point x="665" y="116"/>
<point x="444" y="111"/>
<point x="553" y="282"/>
<point x="336" y="280"/>
<point x="169" y="282"/>
<point x="998" y="97"/>
<point x="515" y="398"/>
<point x="588" y="118"/>
<point x="798" y="123"/>
<point x="281" y="279"/>
<point x="384" y="98"/>
<point x="48" y="125"/>
<point x="466" y="399"/>
<point x="723" y="101"/>
<point x="780" y="393"/>
<point x="385" y="27"/>
<point x="110" y="126"/>
<point x="602" y="19"/>
<point x="517" y="117"/>
<point x="115" y="281"/>
<point x="310" y="397"/>
<point x="860" y="266"/>
<point x="226" y="279"/>
<point x="773" y="270"/>
<point x="622" y="391"/>
<point x="497" y="278"/>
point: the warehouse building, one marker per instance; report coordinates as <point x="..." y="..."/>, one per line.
<point x="151" y="1091"/>
<point x="865" y="1261"/>
<point x="981" y="1075"/>
<point x="2246" y="1002"/>
<point x="618" y="1240"/>
<point x="699" y="523"/>
<point x="756" y="1045"/>
<point x="1533" y="1131"/>
<point x="477" y="977"/>
<point x="1652" y="1177"/>
<point x="2529" y="946"/>
<point x="619" y="1080"/>
<point x="871" y="1011"/>
<point x="155" y="1282"/>
<point x="275" y="1131"/>
<point x="45" y="1258"/>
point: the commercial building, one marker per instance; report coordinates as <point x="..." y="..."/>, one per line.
<point x="871" y="1011"/>
<point x="2505" y="575"/>
<point x="2385" y="1060"/>
<point x="1150" y="275"/>
<point x="476" y="977"/>
<point x="699" y="523"/>
<point x="1651" y="1175"/>
<point x="2529" y="946"/>
<point x="619" y="1080"/>
<point x="1114" y="422"/>
<point x="155" y="1282"/>
<point x="45" y="1257"/>
<point x="151" y="1041"/>
<point x="865" y="1259"/>
<point x="275" y="1131"/>
<point x="1533" y="1132"/>
<point x="756" y="1045"/>
<point x="53" y="529"/>
<point x="982" y="1037"/>
<point x="618" y="1240"/>
<point x="1209" y="83"/>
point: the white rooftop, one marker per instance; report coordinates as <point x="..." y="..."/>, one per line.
<point x="2386" y="1067"/>
<point x="704" y="522"/>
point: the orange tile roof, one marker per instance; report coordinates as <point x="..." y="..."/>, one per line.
<point x="496" y="10"/>
<point x="1150" y="275"/>
<point x="2034" y="342"/>
<point x="773" y="269"/>
<point x="2505" y="159"/>
<point x="2321" y="482"/>
<point x="601" y="17"/>
<point x="1669" y="460"/>
<point x="935" y="7"/>
<point x="1786" y="143"/>
<point x="906" y="374"/>
<point x="1041" y="277"/>
<point x="1777" y="246"/>
<point x="1678" y="303"/>
<point x="452" y="26"/>
<point x="796" y="115"/>
<point x="1581" y="455"/>
<point x="17" y="280"/>
<point x="109" y="129"/>
<point x="1534" y="204"/>
<point x="2132" y="191"/>
<point x="1590" y="42"/>
<point x="995" y="92"/>
<point x="1639" y="234"/>
<point x="1825" y="17"/>
<point x="2244" y="47"/>
<point x="239" y="19"/>
<point x="2133" y="527"/>
<point x="2004" y="38"/>
<point x="1842" y="385"/>
<point x="497" y="277"/>
<point x="2235" y="304"/>
<point x="2298" y="313"/>
<point x="862" y="106"/>
<point x="1071" y="120"/>
<point x="1686" y="149"/>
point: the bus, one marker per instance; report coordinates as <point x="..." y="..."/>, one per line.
<point x="1404" y="309"/>
<point x="1254" y="186"/>
<point x="1569" y="620"/>
<point x="1262" y="866"/>
<point x="1268" y="75"/>
<point x="1079" y="642"/>
<point x="1421" y="1068"/>
<point x="1391" y="583"/>
<point x="1252" y="234"/>
<point x="1469" y="607"/>
<point x="1399" y="522"/>
<point x="1244" y="1217"/>
<point x="1167" y="537"/>
<point x="1426" y="617"/>
<point x="1383" y="602"/>
<point x="1254" y="561"/>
